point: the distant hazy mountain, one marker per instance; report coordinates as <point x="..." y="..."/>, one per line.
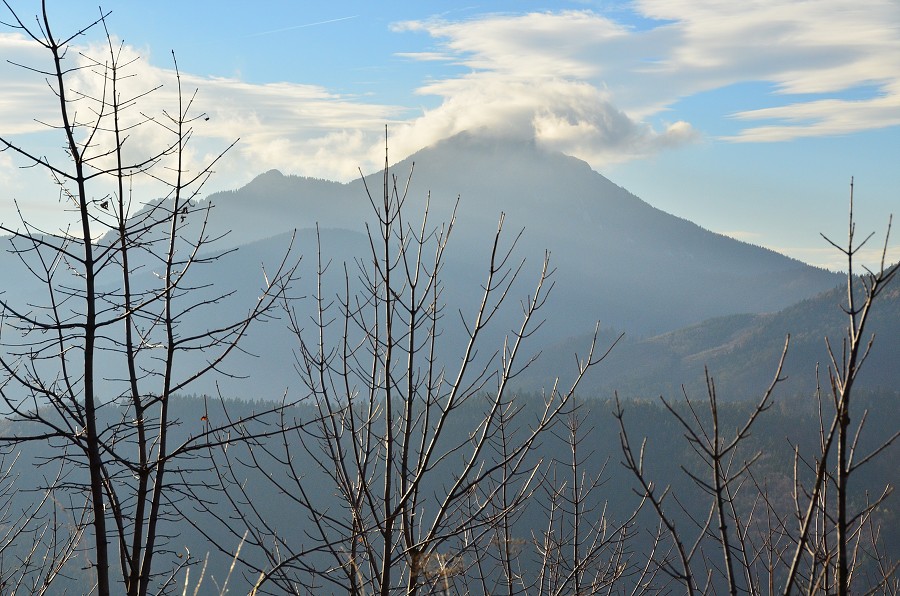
<point x="618" y="260"/>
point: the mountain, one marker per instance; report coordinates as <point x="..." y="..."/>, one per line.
<point x="617" y="259"/>
<point x="740" y="352"/>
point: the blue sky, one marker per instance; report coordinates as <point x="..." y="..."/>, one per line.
<point x="748" y="118"/>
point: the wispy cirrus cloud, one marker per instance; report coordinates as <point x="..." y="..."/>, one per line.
<point x="812" y="53"/>
<point x="824" y="117"/>
<point x="303" y="26"/>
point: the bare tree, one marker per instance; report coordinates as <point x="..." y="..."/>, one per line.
<point x="581" y="548"/>
<point x="831" y="562"/>
<point x="723" y="523"/>
<point x="817" y="547"/>
<point x="415" y="445"/>
<point x="92" y="366"/>
<point x="38" y="538"/>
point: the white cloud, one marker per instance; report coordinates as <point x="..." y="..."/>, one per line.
<point x="302" y="129"/>
<point x="542" y="76"/>
<point x="591" y="84"/>
<point x="424" y="56"/>
<point x="824" y="117"/>
<point x="25" y="99"/>
<point x="812" y="48"/>
<point x="530" y="45"/>
<point x="577" y="81"/>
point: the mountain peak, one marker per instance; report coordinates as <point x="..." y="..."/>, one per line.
<point x="271" y="175"/>
<point x="272" y="182"/>
<point x="484" y="137"/>
<point x="483" y="142"/>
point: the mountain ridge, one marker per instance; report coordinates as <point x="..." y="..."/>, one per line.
<point x="740" y="352"/>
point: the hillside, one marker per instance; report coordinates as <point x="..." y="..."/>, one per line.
<point x="740" y="352"/>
